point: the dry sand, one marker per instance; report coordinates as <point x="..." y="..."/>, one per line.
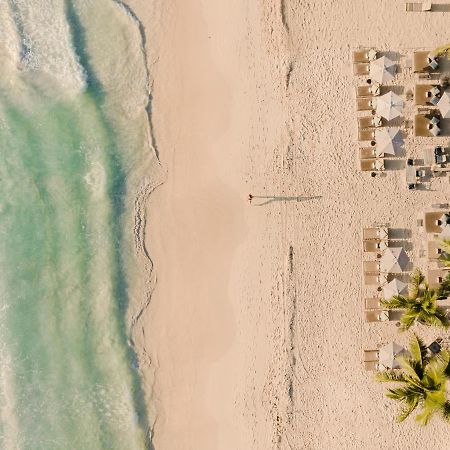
<point x="255" y="329"/>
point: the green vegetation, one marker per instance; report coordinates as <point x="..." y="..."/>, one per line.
<point x="420" y="304"/>
<point x="444" y="49"/>
<point x="445" y="254"/>
<point x="422" y="382"/>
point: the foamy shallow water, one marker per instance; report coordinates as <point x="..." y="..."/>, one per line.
<point x="73" y="143"/>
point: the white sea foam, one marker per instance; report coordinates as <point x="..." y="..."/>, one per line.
<point x="9" y="38"/>
<point x="46" y="45"/>
<point x="96" y="180"/>
<point x="65" y="171"/>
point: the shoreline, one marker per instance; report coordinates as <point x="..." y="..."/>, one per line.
<point x="189" y="240"/>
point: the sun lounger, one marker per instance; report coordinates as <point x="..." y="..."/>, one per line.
<point x="365" y="104"/>
<point x="421" y="126"/>
<point x="361" y="69"/>
<point x="424" y="76"/>
<point x="421" y="94"/>
<point x="421" y="63"/>
<point x="372" y="366"/>
<point x="371" y="355"/>
<point x="372" y="90"/>
<point x="375" y="280"/>
<point x="371" y="267"/>
<point x="368" y="153"/>
<point x="369" y="122"/>
<point x="377" y="315"/>
<point x="372" y="303"/>
<point x="418" y="7"/>
<point x="436" y="277"/>
<point x="364" y="55"/>
<point x="366" y="135"/>
<point x="376" y="233"/>
<point x="434" y="249"/>
<point x="374" y="246"/>
<point x="432" y="224"/>
<point x="372" y="165"/>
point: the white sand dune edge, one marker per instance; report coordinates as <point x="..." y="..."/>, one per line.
<point x="255" y="329"/>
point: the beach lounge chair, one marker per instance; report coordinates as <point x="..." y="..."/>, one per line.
<point x="434" y="250"/>
<point x="371" y="267"/>
<point x="369" y="122"/>
<point x="365" y="104"/>
<point x="423" y="94"/>
<point x="377" y="315"/>
<point x="421" y="62"/>
<point x="361" y="69"/>
<point x="373" y="366"/>
<point x="432" y="224"/>
<point x="366" y="135"/>
<point x="375" y="280"/>
<point x="374" y="246"/>
<point x="371" y="355"/>
<point x="422" y="125"/>
<point x="424" y="76"/>
<point x="372" y="303"/>
<point x="364" y="55"/>
<point x="436" y="277"/>
<point x="376" y="233"/>
<point x="372" y="90"/>
<point x="369" y="153"/>
<point x="418" y="7"/>
<point x="372" y="165"/>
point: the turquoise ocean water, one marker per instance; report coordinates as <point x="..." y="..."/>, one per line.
<point x="73" y="153"/>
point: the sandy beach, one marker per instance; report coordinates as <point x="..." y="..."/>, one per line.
<point x="254" y="334"/>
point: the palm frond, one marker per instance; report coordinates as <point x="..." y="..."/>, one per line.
<point x="416" y="280"/>
<point x="446" y="411"/>
<point x="445" y="245"/>
<point x="446" y="357"/>
<point x="396" y="302"/>
<point x="418" y="349"/>
<point x="406" y="411"/>
<point x="390" y="376"/>
<point x="403" y="393"/>
<point x="445" y="259"/>
<point x="407" y="320"/>
<point x="424" y="417"/>
<point x="444" y="288"/>
<point x="441" y="315"/>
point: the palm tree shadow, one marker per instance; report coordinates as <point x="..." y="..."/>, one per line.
<point x="274" y="198"/>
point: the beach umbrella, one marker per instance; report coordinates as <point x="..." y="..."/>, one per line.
<point x="444" y="104"/>
<point x="445" y="233"/>
<point x="382" y="70"/>
<point x="394" y="260"/>
<point x="445" y="225"/>
<point x="388" y="353"/>
<point x="394" y="287"/>
<point x="445" y="219"/>
<point x="388" y="140"/>
<point x="389" y="106"/>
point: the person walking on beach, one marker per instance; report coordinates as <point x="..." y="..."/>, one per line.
<point x="250" y="198"/>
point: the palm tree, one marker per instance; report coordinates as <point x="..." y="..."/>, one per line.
<point x="422" y="382"/>
<point x="444" y="244"/>
<point x="420" y="304"/>
<point x="441" y="50"/>
<point x="444" y="257"/>
<point x="444" y="288"/>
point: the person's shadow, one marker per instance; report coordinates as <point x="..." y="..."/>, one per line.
<point x="275" y="198"/>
